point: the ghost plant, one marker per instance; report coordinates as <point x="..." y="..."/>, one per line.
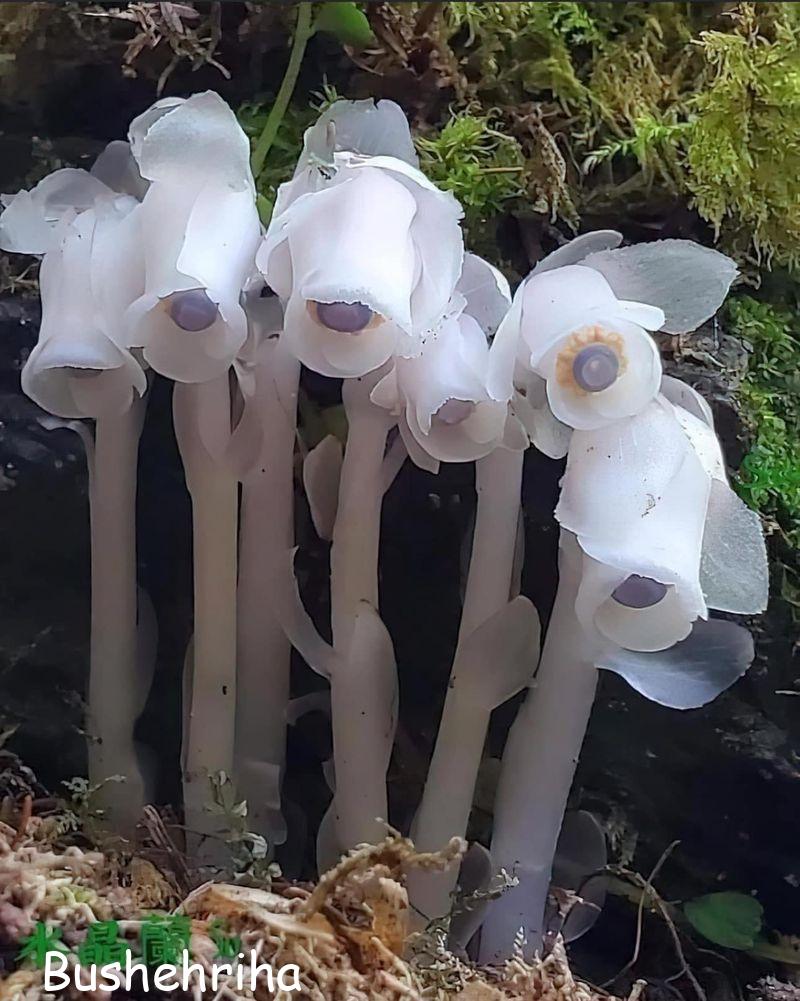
<point x="87" y="231"/>
<point x="647" y="518"/>
<point x="199" y="232"/>
<point x="453" y="402"/>
<point x="365" y="254"/>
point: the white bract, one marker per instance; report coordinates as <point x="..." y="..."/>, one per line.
<point x="662" y="538"/>
<point x="363" y="249"/>
<point x="200" y="230"/>
<point x="448" y="409"/>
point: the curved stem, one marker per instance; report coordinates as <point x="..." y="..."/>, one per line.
<point x="538" y="767"/>
<point x="360" y="798"/>
<point x="209" y="743"/>
<point x="450" y="785"/>
<point x="266" y="537"/>
<point x="116" y="691"/>
<point x="303" y="31"/>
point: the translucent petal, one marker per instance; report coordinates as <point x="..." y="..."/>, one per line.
<point x="704" y="441"/>
<point x="688" y="281"/>
<point x="417" y="454"/>
<point x="437" y="237"/>
<point x="579" y="248"/>
<point x="629" y="464"/>
<point x="486" y="291"/>
<point x="557" y="303"/>
<point x="362" y="127"/>
<point x="222" y="234"/>
<point x="452" y="365"/>
<point x="29" y="217"/>
<point x="734" y="572"/>
<point x="681" y="394"/>
<point x="76" y="370"/>
<point x="194" y="239"/>
<point x="140" y="125"/>
<point x="473" y="439"/>
<point x="117" y="168"/>
<point x="508" y="349"/>
<point x="352" y="243"/>
<point x="636" y="496"/>
<point x="532" y="408"/>
<point x="690" y="674"/>
<point x="193" y="142"/>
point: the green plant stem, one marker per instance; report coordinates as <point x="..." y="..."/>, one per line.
<point x="303" y="32"/>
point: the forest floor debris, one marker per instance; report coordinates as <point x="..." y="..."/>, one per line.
<point x="348" y="935"/>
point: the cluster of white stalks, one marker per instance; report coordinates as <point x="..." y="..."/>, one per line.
<point x="155" y="262"/>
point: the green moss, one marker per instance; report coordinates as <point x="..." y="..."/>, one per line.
<point x="282" y="158"/>
<point x="482" y="166"/>
<point x="743" y="153"/>
<point x="769" y="477"/>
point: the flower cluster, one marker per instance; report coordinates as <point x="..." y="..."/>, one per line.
<point x="645" y="505"/>
<point x="156" y="260"/>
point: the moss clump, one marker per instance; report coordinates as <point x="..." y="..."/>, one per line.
<point x="743" y="150"/>
<point x="769" y="477"/>
<point x="482" y="166"/>
<point x="285" y="149"/>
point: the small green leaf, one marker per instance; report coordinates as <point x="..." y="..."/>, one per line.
<point x="346" y="22"/>
<point x="732" y="920"/>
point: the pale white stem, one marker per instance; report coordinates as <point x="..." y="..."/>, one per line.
<point x="358" y="699"/>
<point x="538" y="767"/>
<point x="266" y="537"/>
<point x="116" y="695"/>
<point x="202" y="415"/>
<point x="450" y="785"/>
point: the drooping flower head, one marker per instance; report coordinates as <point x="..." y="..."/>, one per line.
<point x="200" y="230"/>
<point x="362" y="248"/>
<point x="661" y="538"/>
<point x="447" y="407"/>
<point x="86" y="227"/>
<point x="583" y="317"/>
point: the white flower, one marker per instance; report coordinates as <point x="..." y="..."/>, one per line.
<point x="449" y="412"/>
<point x="78" y="368"/>
<point x="86" y="227"/>
<point x="593" y="349"/>
<point x="362" y="127"/>
<point x="200" y="230"/>
<point x="29" y="218"/>
<point x="662" y="538"/>
<point x="582" y="318"/>
<point x="365" y="252"/>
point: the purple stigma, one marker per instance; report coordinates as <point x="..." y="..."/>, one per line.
<point x="193" y="310"/>
<point x="595" y="368"/>
<point x="344" y="317"/>
<point x="454" y="411"/>
<point x="639" y="592"/>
